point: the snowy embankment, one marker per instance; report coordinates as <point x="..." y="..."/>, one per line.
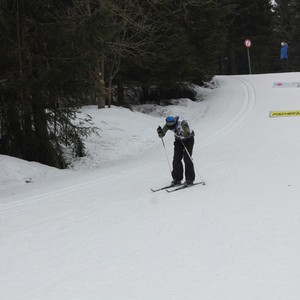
<point x="98" y="232"/>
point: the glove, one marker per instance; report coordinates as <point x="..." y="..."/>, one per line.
<point x="160" y="132"/>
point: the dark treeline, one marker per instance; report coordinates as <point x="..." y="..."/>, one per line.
<point x="58" y="55"/>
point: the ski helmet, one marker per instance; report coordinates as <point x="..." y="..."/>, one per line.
<point x="170" y="122"/>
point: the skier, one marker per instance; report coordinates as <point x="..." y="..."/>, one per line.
<point x="183" y="148"/>
<point x="284" y="56"/>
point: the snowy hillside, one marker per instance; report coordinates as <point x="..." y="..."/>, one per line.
<point x="98" y="232"/>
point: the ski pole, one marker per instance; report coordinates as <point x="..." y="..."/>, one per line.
<point x="166" y="155"/>
<point x="186" y="150"/>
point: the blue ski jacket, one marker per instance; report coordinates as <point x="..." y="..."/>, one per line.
<point x="284" y="51"/>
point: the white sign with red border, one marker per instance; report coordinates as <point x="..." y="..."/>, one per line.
<point x="247" y="43"/>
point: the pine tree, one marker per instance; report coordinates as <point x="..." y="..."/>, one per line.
<point x="253" y="20"/>
<point x="287" y="29"/>
<point x="184" y="44"/>
<point x="47" y="51"/>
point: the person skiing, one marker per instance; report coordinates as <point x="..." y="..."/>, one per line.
<point x="183" y="148"/>
<point x="284" y="56"/>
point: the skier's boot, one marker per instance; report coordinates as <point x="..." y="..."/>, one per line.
<point x="176" y="182"/>
<point x="189" y="183"/>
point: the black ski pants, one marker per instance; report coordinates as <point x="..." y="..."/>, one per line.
<point x="284" y="65"/>
<point x="179" y="154"/>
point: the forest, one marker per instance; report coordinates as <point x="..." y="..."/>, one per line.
<point x="59" y="55"/>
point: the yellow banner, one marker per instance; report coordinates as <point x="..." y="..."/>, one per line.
<point x="289" y="113"/>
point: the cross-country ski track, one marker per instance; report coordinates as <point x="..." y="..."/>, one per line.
<point x="103" y="234"/>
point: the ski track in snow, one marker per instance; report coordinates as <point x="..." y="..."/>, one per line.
<point x="102" y="234"/>
<point x="246" y="105"/>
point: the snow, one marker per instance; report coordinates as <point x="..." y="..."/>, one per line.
<point x="97" y="231"/>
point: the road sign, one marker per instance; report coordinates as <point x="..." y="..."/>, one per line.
<point x="247" y="43"/>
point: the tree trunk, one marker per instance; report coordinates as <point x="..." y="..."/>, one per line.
<point x="121" y="100"/>
<point x="145" y="94"/>
<point x="26" y="93"/>
<point x="46" y="153"/>
<point x="232" y="61"/>
<point x="101" y="96"/>
<point x="109" y="91"/>
<point x="88" y="7"/>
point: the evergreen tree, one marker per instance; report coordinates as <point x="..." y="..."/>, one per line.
<point x="56" y="56"/>
<point x="287" y="29"/>
<point x="185" y="46"/>
<point x="253" y="20"/>
<point x="46" y="52"/>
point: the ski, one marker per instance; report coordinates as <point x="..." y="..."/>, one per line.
<point x="165" y="187"/>
<point x="184" y="187"/>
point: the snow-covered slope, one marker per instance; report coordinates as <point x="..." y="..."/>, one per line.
<point x="98" y="232"/>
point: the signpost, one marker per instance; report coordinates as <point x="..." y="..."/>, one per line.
<point x="248" y="44"/>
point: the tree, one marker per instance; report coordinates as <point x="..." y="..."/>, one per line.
<point x="131" y="32"/>
<point x="183" y="45"/>
<point x="287" y="29"/>
<point x="46" y="53"/>
<point x="252" y="20"/>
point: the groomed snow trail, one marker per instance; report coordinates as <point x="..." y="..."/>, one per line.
<point x="239" y="100"/>
<point x="102" y="234"/>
